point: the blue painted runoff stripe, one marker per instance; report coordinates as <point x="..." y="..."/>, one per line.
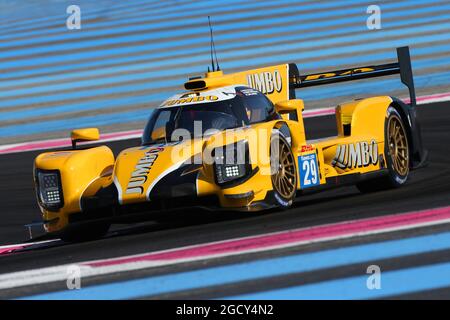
<point x="108" y="54"/>
<point x="135" y="13"/>
<point x="153" y="79"/>
<point x="277" y="56"/>
<point x="164" y="90"/>
<point x="27" y="17"/>
<point x="262" y="269"/>
<point x="194" y="32"/>
<point x="164" y="93"/>
<point x="189" y="39"/>
<point x="392" y="283"/>
<point x="145" y="11"/>
<point x="147" y="16"/>
<point x="137" y="63"/>
<point x="90" y="30"/>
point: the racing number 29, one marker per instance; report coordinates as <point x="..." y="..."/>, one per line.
<point x="308" y="170"/>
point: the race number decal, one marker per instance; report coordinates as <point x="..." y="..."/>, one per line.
<point x="309" y="171"/>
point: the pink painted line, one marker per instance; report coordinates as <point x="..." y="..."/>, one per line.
<point x="287" y="238"/>
<point x="318" y="113"/>
<point x="65" y="142"/>
<point x="430" y="98"/>
<point x="60" y="143"/>
<point x="10" y="249"/>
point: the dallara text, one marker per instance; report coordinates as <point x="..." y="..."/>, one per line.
<point x="232" y="142"/>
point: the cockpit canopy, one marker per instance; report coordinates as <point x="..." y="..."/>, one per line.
<point x="246" y="106"/>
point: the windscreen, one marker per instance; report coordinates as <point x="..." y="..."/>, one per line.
<point x="247" y="107"/>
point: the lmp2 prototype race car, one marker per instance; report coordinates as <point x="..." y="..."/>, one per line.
<point x="234" y="142"/>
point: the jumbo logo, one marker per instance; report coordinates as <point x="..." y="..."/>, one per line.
<point x="141" y="171"/>
<point x="349" y="72"/>
<point x="266" y="82"/>
<point x="190" y="100"/>
<point x="359" y="154"/>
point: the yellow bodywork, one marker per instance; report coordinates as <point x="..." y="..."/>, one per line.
<point x="136" y="170"/>
<point x="272" y="81"/>
<point x="85" y="134"/>
<point x="83" y="173"/>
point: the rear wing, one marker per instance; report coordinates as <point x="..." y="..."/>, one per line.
<point x="402" y="67"/>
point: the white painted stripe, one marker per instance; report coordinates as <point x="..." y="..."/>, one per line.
<point x="26" y="244"/>
<point x="59" y="273"/>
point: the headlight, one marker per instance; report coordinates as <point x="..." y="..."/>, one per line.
<point x="231" y="162"/>
<point x="49" y="189"/>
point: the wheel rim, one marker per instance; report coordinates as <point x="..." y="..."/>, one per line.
<point x="398" y="146"/>
<point x="284" y="179"/>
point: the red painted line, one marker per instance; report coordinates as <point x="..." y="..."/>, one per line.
<point x="280" y="239"/>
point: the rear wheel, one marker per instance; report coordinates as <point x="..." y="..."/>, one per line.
<point x="283" y="171"/>
<point x="396" y="150"/>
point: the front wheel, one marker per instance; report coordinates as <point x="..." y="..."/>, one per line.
<point x="396" y="150"/>
<point x="283" y="171"/>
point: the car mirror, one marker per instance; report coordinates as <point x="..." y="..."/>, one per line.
<point x="85" y="134"/>
<point x="290" y="109"/>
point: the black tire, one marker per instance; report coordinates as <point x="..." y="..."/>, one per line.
<point x="396" y="150"/>
<point x="283" y="175"/>
<point x="85" y="231"/>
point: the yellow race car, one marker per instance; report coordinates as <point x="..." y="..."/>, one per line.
<point x="235" y="142"/>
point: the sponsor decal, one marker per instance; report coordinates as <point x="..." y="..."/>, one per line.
<point x="309" y="171"/>
<point x="326" y="75"/>
<point x="306" y="148"/>
<point x="249" y="92"/>
<point x="266" y="82"/>
<point x="142" y="169"/>
<point x="190" y="100"/>
<point x="353" y="155"/>
<point x="281" y="201"/>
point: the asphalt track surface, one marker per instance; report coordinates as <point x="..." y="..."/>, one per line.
<point x="427" y="188"/>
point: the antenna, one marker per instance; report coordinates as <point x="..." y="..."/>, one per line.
<point x="213" y="48"/>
